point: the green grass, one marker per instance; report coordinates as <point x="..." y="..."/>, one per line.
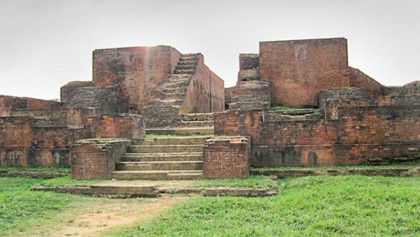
<point x="254" y="182"/>
<point x="21" y="208"/>
<point x="308" y="206"/>
<point x="54" y="170"/>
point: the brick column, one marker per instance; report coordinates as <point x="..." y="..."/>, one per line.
<point x="227" y="158"/>
<point x="96" y="158"/>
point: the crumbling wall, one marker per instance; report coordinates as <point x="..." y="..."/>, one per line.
<point x="250" y="92"/>
<point x="351" y="128"/>
<point x="361" y="80"/>
<point x="136" y="71"/>
<point x="299" y="69"/>
<point x="105" y="99"/>
<point x="206" y="91"/>
<point x="67" y="91"/>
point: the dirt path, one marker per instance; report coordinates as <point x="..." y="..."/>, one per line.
<point x="96" y="218"/>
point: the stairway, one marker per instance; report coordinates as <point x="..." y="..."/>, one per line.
<point x="179" y="158"/>
<point x="189" y="125"/>
<point x="170" y="94"/>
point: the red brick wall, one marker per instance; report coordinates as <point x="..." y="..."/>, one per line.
<point x="226" y="158"/>
<point x="299" y="69"/>
<point x="206" y="91"/>
<point x="117" y="126"/>
<point x="135" y="70"/>
<point x="358" y="134"/>
<point x="10" y="103"/>
<point x="360" y="80"/>
<point x="96" y="158"/>
<point x="27" y="141"/>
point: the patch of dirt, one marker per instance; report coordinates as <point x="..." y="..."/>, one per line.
<point x="96" y="219"/>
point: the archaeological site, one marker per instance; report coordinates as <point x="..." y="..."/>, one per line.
<point x="157" y="113"/>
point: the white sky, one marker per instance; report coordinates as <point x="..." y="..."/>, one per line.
<point x="46" y="43"/>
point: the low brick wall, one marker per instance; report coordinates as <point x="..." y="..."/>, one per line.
<point x="96" y="158"/>
<point x="227" y="158"/>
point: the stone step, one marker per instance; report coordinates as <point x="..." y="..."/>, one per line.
<point x="160" y="165"/>
<point x="165" y="103"/>
<point x="185" y="71"/>
<point x="159" y="175"/>
<point x="185" y="66"/>
<point x="180" y="90"/>
<point x="198" y="117"/>
<point x="191" y="124"/>
<point x="181" y="131"/>
<point x="180" y="156"/>
<point x="177" y="83"/>
<point x="172" y="141"/>
<point x="164" y="148"/>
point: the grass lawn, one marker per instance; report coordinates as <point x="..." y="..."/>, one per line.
<point x="20" y="208"/>
<point x="307" y="206"/>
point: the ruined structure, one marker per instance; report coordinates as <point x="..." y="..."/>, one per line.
<point x="295" y="103"/>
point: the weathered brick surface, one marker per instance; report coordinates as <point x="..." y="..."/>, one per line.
<point x="299" y="69"/>
<point x="360" y="80"/>
<point x="66" y="91"/>
<point x="136" y="71"/>
<point x="127" y="126"/>
<point x="248" y="61"/>
<point x="226" y="158"/>
<point x="354" y="133"/>
<point x="205" y="93"/>
<point x="96" y="158"/>
<point x="104" y="99"/>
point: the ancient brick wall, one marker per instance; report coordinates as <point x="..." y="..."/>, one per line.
<point x="135" y="70"/>
<point x="361" y="80"/>
<point x="96" y="158"/>
<point x="104" y="99"/>
<point x="27" y="141"/>
<point x="206" y="91"/>
<point x="127" y="126"/>
<point x="226" y="158"/>
<point x="45" y="141"/>
<point x="13" y="103"/>
<point x="66" y="91"/>
<point x="299" y="69"/>
<point x="355" y="130"/>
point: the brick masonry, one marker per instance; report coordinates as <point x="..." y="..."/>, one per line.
<point x="299" y="69"/>
<point x="355" y="130"/>
<point x="226" y="158"/>
<point x="96" y="158"/>
<point x="135" y="70"/>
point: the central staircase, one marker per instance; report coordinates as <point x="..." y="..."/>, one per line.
<point x="169" y="96"/>
<point x="168" y="158"/>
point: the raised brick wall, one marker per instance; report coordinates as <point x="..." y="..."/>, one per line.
<point x="96" y="158"/>
<point x="361" y="80"/>
<point x="357" y="133"/>
<point x="206" y="91"/>
<point x="226" y="158"/>
<point x="299" y="69"/>
<point x="129" y="126"/>
<point x="136" y="70"/>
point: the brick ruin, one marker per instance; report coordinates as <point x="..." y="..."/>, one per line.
<point x="296" y="103"/>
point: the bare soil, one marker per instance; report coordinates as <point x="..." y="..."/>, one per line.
<point x="97" y="218"/>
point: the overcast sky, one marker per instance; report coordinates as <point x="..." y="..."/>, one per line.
<point x="46" y="43"/>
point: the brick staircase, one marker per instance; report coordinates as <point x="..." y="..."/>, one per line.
<point x="189" y="124"/>
<point x="170" y="95"/>
<point x="177" y="158"/>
